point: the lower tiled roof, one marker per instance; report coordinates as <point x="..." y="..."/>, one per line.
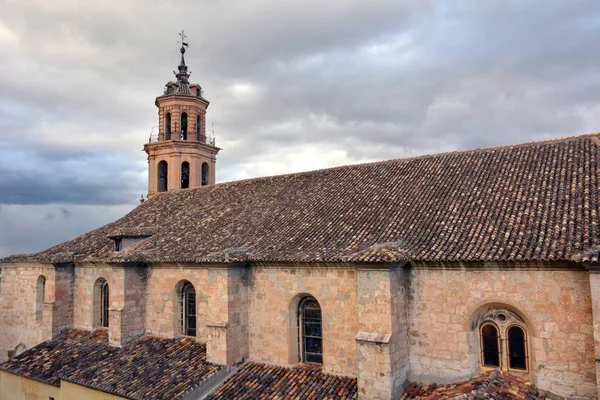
<point x="491" y="385"/>
<point x="148" y="368"/>
<point x="72" y="349"/>
<point x="267" y="382"/>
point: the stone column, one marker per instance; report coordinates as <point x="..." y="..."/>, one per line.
<point x="195" y="171"/>
<point x="127" y="311"/>
<point x="116" y="303"/>
<point x="382" y="342"/>
<point x="114" y="326"/>
<point x="174" y="173"/>
<point x="595" y="292"/>
<point x="152" y="176"/>
<point x="47" y="318"/>
<point x="62" y="298"/>
<point x="227" y="317"/>
<point x="212" y="173"/>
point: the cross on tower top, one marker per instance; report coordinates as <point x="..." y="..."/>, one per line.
<point x="183" y="37"/>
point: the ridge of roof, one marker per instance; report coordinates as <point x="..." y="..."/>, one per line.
<point x="561" y="139"/>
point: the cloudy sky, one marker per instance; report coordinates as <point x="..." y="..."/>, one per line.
<point x="293" y="85"/>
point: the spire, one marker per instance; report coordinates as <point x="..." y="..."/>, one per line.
<point x="183" y="75"/>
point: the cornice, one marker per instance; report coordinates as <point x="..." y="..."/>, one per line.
<point x="181" y="144"/>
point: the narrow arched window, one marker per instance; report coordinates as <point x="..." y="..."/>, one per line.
<point x="205" y="174"/>
<point x="198" y="128"/>
<point x="168" y="126"/>
<point x="185" y="175"/>
<point x="163" y="174"/>
<point x="40" y="293"/>
<point x="310" y="331"/>
<point x="104" y="301"/>
<point x="517" y="348"/>
<point x="490" y="346"/>
<point x="101" y="300"/>
<point x="184" y="126"/>
<point x="188" y="309"/>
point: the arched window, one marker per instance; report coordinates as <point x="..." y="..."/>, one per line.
<point x="490" y="346"/>
<point x="187" y="300"/>
<point x="517" y="348"/>
<point x="503" y="337"/>
<point x="310" y="332"/>
<point x="168" y="126"/>
<point x="185" y="175"/>
<point x="198" y="128"/>
<point x="205" y="174"/>
<point x="184" y="125"/>
<point x="104" y="297"/>
<point x="163" y="174"/>
<point x="101" y="303"/>
<point x="40" y="293"/>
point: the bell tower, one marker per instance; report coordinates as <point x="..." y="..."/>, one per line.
<point x="181" y="155"/>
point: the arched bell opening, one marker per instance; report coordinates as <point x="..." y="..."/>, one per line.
<point x="168" y="126"/>
<point x="205" y="174"/>
<point x="198" y="128"/>
<point x="185" y="175"/>
<point x="163" y="176"/>
<point x="184" y="126"/>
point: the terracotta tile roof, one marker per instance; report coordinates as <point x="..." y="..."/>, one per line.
<point x="535" y="201"/>
<point x="491" y="385"/>
<point x="73" y="349"/>
<point x="148" y="368"/>
<point x="255" y="381"/>
<point x="135" y="232"/>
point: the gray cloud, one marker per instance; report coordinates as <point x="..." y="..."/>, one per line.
<point x="293" y="85"/>
<point x="34" y="227"/>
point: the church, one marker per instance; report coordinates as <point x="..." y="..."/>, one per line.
<point x="342" y="283"/>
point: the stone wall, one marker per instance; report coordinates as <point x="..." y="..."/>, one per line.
<point x="382" y="342"/>
<point x="382" y="325"/>
<point x="25" y="320"/>
<point x="274" y="293"/>
<point x="61" y="293"/>
<point x="555" y="304"/>
<point x="86" y="276"/>
<point x="161" y="301"/>
<point x="218" y="316"/>
<point x="399" y="343"/>
<point x="133" y="316"/>
<point x="237" y="340"/>
<point x="595" y="297"/>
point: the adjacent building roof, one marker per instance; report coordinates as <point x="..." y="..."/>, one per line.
<point x="535" y="201"/>
<point x="72" y="349"/>
<point x="491" y="385"/>
<point x="267" y="382"/>
<point x="148" y="368"/>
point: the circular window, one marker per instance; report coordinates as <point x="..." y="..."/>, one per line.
<point x="501" y="317"/>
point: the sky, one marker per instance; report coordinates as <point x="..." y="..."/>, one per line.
<point x="293" y="86"/>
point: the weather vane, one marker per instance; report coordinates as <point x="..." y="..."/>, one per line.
<point x="183" y="37"/>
